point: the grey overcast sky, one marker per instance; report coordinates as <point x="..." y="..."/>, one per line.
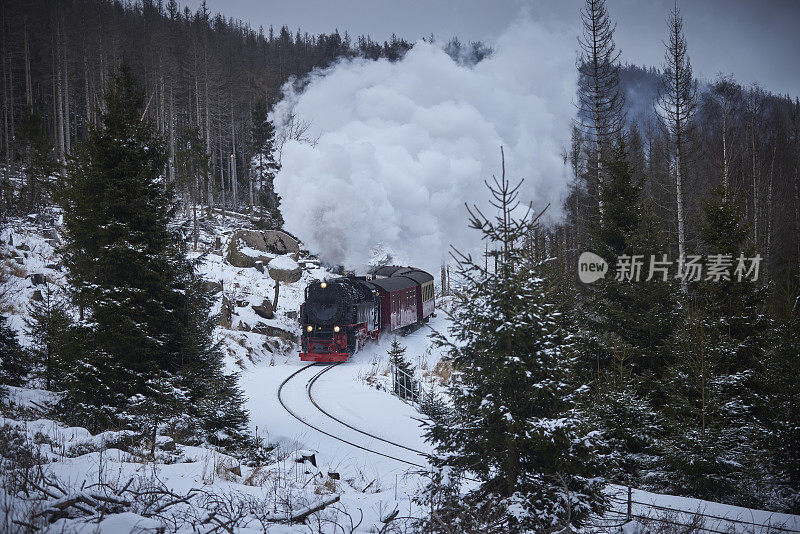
<point x="755" y="40"/>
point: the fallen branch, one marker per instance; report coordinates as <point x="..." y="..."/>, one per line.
<point x="310" y="510"/>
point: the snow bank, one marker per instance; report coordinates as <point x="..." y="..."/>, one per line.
<point x="401" y="146"/>
<point x="283" y="263"/>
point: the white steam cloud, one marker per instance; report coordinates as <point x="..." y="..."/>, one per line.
<point x="401" y="146"/>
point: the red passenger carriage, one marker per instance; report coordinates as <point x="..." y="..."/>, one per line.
<point x="340" y="314"/>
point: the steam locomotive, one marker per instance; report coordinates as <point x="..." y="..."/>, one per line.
<point x="340" y="314"/>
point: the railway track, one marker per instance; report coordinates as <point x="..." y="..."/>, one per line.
<point x="309" y="386"/>
<point x="613" y="520"/>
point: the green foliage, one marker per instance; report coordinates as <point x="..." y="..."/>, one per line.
<point x="38" y="157"/>
<point x="264" y="166"/>
<point x="191" y="158"/>
<point x="397" y="355"/>
<point x="12" y="366"/>
<point x="626" y="320"/>
<point x="514" y="424"/>
<point x="50" y="328"/>
<point x="148" y="330"/>
<point x="123" y="262"/>
<point x="714" y="389"/>
<point x="782" y="414"/>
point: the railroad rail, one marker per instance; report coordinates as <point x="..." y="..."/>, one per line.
<point x="339" y="438"/>
<point x="612" y="519"/>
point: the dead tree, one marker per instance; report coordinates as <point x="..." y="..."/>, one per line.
<point x="600" y="102"/>
<point x="676" y="106"/>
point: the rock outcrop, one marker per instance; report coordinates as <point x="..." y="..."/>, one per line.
<point x="246" y="247"/>
<point x="284" y="269"/>
<point x="264" y="310"/>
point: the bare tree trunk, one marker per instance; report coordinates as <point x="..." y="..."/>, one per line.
<point x="234" y="184"/>
<point x="171" y="127"/>
<point x="755" y="182"/>
<point x="725" y="151"/>
<point x="222" y="160"/>
<point x="12" y="119"/>
<point x="65" y="119"/>
<point x="208" y="138"/>
<point x="769" y="209"/>
<point x="679" y="203"/>
<point x="250" y="184"/>
<point x="6" y="102"/>
<point x="28" y="84"/>
<point x="797" y="211"/>
<point x="86" y="90"/>
<point x="58" y="105"/>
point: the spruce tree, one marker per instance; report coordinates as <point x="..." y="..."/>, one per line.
<point x="147" y="313"/>
<point x="397" y="356"/>
<point x="12" y="366"/>
<point x="514" y="423"/>
<point x="263" y="163"/>
<point x="39" y="159"/>
<point x="625" y="327"/>
<point x="715" y="387"/>
<point x="782" y="411"/>
<point x="49" y="326"/>
<point x="626" y="319"/>
<point x="121" y="257"/>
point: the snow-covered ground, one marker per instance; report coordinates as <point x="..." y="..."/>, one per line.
<point x="372" y="476"/>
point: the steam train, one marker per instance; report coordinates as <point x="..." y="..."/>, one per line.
<point x="339" y="315"/>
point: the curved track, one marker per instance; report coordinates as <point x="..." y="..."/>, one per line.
<point x="309" y="385"/>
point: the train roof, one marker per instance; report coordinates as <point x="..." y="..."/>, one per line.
<point x="394" y="283"/>
<point x="417" y="275"/>
<point x="386" y="270"/>
<point x="392" y="271"/>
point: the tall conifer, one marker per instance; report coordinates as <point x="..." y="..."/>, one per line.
<point x="513" y="424"/>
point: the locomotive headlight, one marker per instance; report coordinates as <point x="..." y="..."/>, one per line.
<point x="323" y="285"/>
<point x="309" y="328"/>
<point x="335" y="328"/>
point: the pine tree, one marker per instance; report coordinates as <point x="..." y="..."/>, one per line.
<point x="601" y="103"/>
<point x="397" y="356"/>
<point x="161" y="406"/>
<point x="625" y="327"/>
<point x="38" y="157"/>
<point x="148" y="312"/>
<point x="122" y="259"/>
<point x="263" y="163"/>
<point x="514" y="425"/>
<point x="50" y="329"/>
<point x="782" y="410"/>
<point x="214" y="399"/>
<point x="12" y="366"/>
<point x="626" y="320"/>
<point x="93" y="383"/>
<point x="715" y="387"/>
<point x="677" y="102"/>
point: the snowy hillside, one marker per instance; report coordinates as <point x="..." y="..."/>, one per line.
<point x="336" y="438"/>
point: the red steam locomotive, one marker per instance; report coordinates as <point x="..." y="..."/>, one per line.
<point x="339" y="315"/>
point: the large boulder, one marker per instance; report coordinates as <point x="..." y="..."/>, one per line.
<point x="246" y="247"/>
<point x="280" y="242"/>
<point x="284" y="269"/>
<point x="264" y="310"/>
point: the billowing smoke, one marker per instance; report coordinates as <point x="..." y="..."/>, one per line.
<point x="393" y="150"/>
